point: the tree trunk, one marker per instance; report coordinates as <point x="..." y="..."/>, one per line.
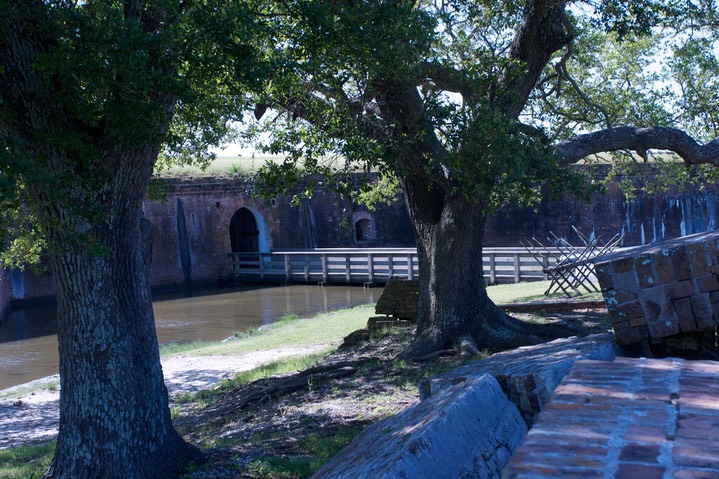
<point x="114" y="415"/>
<point x="453" y="304"/>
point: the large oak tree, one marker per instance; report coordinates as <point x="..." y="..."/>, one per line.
<point x="90" y="91"/>
<point x="475" y="104"/>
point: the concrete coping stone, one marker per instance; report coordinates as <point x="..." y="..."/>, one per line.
<point x="655" y="248"/>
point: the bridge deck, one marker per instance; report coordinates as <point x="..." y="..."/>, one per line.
<point x="627" y="419"/>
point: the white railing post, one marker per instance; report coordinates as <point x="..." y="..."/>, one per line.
<point x="370" y="268"/>
<point x="492" y="269"/>
<point x="324" y="267"/>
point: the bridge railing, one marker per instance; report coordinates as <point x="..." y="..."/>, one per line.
<point x="369" y="265"/>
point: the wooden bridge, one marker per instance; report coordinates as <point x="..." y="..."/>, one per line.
<point x="374" y="266"/>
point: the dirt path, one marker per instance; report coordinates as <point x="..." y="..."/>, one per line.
<point x="29" y="412"/>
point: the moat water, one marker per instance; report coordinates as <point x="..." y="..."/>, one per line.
<point x="28" y="336"/>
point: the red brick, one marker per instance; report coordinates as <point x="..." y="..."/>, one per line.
<point x="680" y="264"/>
<point x="702" y="311"/>
<point x="695" y="457"/>
<point x="714" y="301"/>
<point x="653" y="310"/>
<point x="707" y="283"/>
<point x="632" y="335"/>
<point x="681" y="289"/>
<point x="684" y="311"/>
<point x="694" y="474"/>
<point x="624" y="265"/>
<point x="642" y="433"/>
<point x="698" y="258"/>
<point x="604" y="276"/>
<point x="645" y="271"/>
<point x="663" y="268"/>
<point x="639" y="453"/>
<point x="626" y="295"/>
<point x="630" y="310"/>
<point x="639" y="471"/>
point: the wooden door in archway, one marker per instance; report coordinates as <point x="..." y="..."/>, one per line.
<point x="244" y="234"/>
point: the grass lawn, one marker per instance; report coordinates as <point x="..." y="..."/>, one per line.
<point x="527" y="292"/>
<point x="326" y="329"/>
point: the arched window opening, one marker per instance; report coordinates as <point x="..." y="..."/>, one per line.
<point x="244" y="234"/>
<point x="365" y="230"/>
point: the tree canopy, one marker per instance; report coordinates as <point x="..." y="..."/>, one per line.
<point x="92" y="94"/>
<point x="475" y="104"/>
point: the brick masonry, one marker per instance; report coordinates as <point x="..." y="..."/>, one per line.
<point x="626" y="419"/>
<point x="5" y="293"/>
<point x="662" y="290"/>
<point x="399" y="299"/>
<point x="206" y="208"/>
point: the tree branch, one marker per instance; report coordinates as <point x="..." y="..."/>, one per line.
<point x="541" y="33"/>
<point x="639" y="140"/>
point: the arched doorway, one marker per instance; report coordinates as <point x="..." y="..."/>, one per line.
<point x="244" y="234"/>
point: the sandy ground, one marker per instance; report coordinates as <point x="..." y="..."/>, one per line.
<point x="29" y="412"/>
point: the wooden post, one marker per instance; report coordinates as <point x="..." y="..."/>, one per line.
<point x="410" y="268"/>
<point x="348" y="273"/>
<point x="287" y="267"/>
<point x="545" y="264"/>
<point x="307" y="268"/>
<point x="390" y="265"/>
<point x="517" y="274"/>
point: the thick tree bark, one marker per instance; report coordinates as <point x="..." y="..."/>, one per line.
<point x="453" y="304"/>
<point x="114" y="414"/>
<point x="85" y="178"/>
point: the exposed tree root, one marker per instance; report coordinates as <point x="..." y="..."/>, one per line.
<point x="265" y="389"/>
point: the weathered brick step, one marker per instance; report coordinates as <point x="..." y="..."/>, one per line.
<point x="626" y="419"/>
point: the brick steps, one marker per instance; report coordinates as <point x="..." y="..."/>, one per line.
<point x="626" y="419"/>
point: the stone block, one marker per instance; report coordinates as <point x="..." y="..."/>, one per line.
<point x="680" y="264"/>
<point x="707" y="283"/>
<point x="470" y="430"/>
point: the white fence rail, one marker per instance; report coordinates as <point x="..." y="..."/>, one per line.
<point x="501" y="265"/>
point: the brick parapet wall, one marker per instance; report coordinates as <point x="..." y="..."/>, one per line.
<point x="662" y="290"/>
<point x="5" y="294"/>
